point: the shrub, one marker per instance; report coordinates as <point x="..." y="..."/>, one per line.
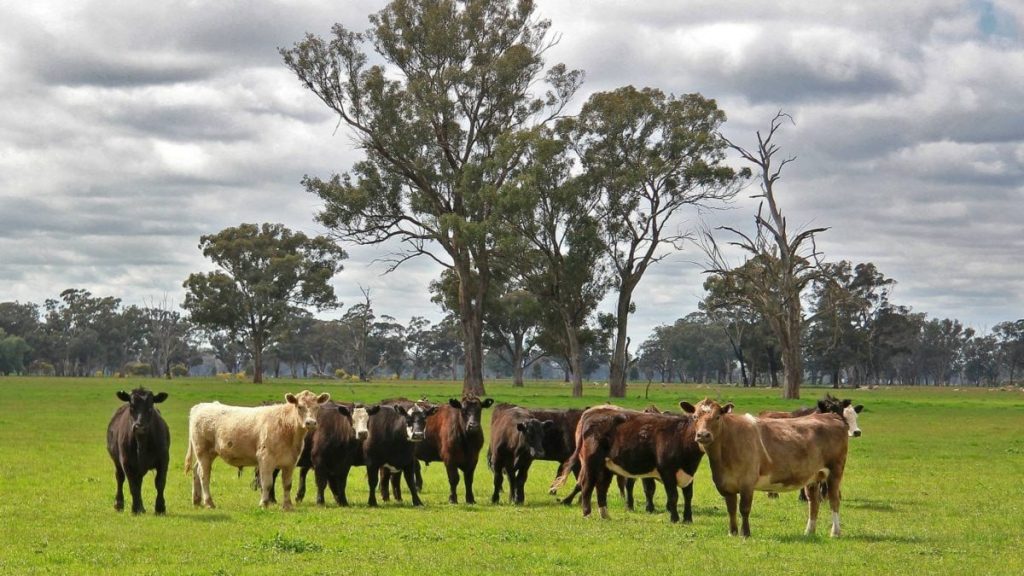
<point x="138" y="369"/>
<point x="340" y="374"/>
<point x="41" y="368"/>
<point x="179" y="370"/>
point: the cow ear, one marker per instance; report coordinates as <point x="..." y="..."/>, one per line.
<point x="290" y="398"/>
<point x="344" y="411"/>
<point x="727" y="409"/>
<point x="687" y="407"/>
<point x="548" y="425"/>
<point x="487" y="403"/>
<point x="124" y="396"/>
<point x="455" y="403"/>
<point x="400" y="410"/>
<point x="521" y="426"/>
<point x="373" y="409"/>
<point x="323" y="398"/>
<point x="847" y="402"/>
<point x="430" y="410"/>
<point x="858" y="408"/>
<point x="822" y="407"/>
<point x="160" y="397"/>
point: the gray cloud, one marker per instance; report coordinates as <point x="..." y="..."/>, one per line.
<point x="128" y="129"/>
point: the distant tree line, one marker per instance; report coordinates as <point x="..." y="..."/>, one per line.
<point x="853" y="335"/>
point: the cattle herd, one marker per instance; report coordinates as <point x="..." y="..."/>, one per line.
<point x="776" y="451"/>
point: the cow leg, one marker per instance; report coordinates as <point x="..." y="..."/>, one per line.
<point x="266" y="481"/>
<point x="521" y="477"/>
<point x="203" y="470"/>
<point x="687" y="500"/>
<point x="834" y="497"/>
<point x="746" y="501"/>
<point x="586" y="491"/>
<point x="671" y="496"/>
<point x="813" y="501"/>
<point x="286" y="484"/>
<point x="626" y="486"/>
<point x="499" y="468"/>
<point x="730" y="506"/>
<point x="396" y="485"/>
<point x="453" y="483"/>
<point x="648" y="484"/>
<point x="273" y="483"/>
<point x="300" y="494"/>
<point x="320" y="476"/>
<point x="342" y="486"/>
<point x="135" y="487"/>
<point x="385" y="485"/>
<point x="604" y="481"/>
<point x="572" y="495"/>
<point x="467" y="472"/>
<point x="410" y="481"/>
<point x="119" y="496"/>
<point x="160" y="507"/>
<point x="372" y="477"/>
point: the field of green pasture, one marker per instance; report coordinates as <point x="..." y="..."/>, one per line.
<point x="933" y="487"/>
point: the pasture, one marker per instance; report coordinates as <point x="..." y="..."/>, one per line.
<point x="933" y="487"/>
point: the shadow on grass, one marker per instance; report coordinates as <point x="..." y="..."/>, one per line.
<point x="822" y="535"/>
<point x="874" y="505"/>
<point x="208" y="518"/>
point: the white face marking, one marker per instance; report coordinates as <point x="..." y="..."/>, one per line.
<point x="851" y="421"/>
<point x="705" y="409"/>
<point x="360" y="422"/>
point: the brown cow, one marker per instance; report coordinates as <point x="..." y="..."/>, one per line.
<point x="615" y="441"/>
<point x="264" y="436"/>
<point x="454" y="436"/>
<point x="771" y="455"/>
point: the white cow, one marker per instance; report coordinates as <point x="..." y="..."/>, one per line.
<point x="267" y="437"/>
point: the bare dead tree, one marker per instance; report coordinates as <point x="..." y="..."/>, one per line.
<point x="778" y="267"/>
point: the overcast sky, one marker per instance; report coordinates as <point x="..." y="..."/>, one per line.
<point x="128" y="129"/>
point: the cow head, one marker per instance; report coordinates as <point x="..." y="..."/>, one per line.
<point x="707" y="419"/>
<point x="844" y="408"/>
<point x="307" y="404"/>
<point x="361" y="420"/>
<point x="140" y="407"/>
<point x="533" y="431"/>
<point x="470" y="407"/>
<point x="850" y="414"/>
<point x="416" y="420"/>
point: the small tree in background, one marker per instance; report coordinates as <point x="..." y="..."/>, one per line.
<point x="264" y="272"/>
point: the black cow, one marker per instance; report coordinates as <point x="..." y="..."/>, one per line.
<point x="333" y="451"/>
<point x="138" y="441"/>
<point x="517" y="438"/>
<point x="394" y="433"/>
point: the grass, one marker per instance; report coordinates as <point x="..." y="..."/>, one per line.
<point x="933" y="487"/>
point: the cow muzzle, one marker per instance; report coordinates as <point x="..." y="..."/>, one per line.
<point x="416" y="437"/>
<point x="855" y="433"/>
<point x="310" y="424"/>
<point x="362" y="434"/>
<point x="534" y="453"/>
<point x="704" y="437"/>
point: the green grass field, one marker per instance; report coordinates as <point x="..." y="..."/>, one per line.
<point x="933" y="487"/>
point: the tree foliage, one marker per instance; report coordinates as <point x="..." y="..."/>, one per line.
<point x="264" y="272"/>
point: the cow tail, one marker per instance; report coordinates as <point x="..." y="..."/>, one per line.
<point x="190" y="457"/>
<point x="563" y="474"/>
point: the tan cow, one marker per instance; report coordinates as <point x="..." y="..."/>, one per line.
<point x="267" y="437"/>
<point x="771" y="455"/>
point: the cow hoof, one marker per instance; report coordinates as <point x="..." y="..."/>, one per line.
<point x="119" y="506"/>
<point x="604" y="514"/>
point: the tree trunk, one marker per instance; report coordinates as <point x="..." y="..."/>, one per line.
<point x="471" y="320"/>
<point x="517" y="362"/>
<point x="257" y="360"/>
<point x="617" y="373"/>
